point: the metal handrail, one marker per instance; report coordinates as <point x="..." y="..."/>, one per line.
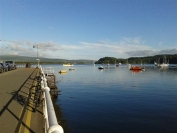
<point x="48" y="70"/>
<point x="51" y="124"/>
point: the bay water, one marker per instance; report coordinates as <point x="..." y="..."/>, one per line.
<point x="116" y="100"/>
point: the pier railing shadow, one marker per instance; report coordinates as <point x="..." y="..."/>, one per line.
<point x="23" y="97"/>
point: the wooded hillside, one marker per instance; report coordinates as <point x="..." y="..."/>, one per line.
<point x="137" y="60"/>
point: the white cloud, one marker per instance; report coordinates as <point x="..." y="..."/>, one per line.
<point x="127" y="47"/>
<point x="142" y="53"/>
<point x="121" y="47"/>
<point x="26" y="48"/>
<point x="167" y="51"/>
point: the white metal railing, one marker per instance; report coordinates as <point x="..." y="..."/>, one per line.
<point x="48" y="71"/>
<point x="24" y="66"/>
<point x="51" y="125"/>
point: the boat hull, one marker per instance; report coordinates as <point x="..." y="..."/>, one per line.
<point x="136" y="68"/>
<point x="101" y="67"/>
<point x="68" y="65"/>
<point x="164" y="65"/>
<point x="63" y="71"/>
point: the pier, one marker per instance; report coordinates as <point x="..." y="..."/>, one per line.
<point x="25" y="102"/>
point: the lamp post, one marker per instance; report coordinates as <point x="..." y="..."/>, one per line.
<point x="37" y="54"/>
<point x="38" y="60"/>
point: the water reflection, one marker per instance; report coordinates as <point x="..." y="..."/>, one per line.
<point x="60" y="117"/>
<point x="126" y="102"/>
<point x="136" y="71"/>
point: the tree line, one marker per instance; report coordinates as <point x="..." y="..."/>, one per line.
<point x="138" y="60"/>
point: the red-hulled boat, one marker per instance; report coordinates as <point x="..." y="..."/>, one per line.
<point x="136" y="68"/>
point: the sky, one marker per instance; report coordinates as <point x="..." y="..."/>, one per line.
<point x="88" y="29"/>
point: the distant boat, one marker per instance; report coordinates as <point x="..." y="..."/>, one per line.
<point x="165" y="63"/>
<point x="63" y="71"/>
<point x="136" y="71"/>
<point x="128" y="65"/>
<point x="100" y="67"/>
<point x="137" y="68"/>
<point x="71" y="69"/>
<point x="116" y="65"/>
<point x="68" y="64"/>
<point x="157" y="62"/>
<point x="94" y="62"/>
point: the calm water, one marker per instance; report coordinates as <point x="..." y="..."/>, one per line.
<point x="117" y="100"/>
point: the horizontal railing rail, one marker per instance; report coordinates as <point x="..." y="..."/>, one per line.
<point x="48" y="71"/>
<point x="51" y="125"/>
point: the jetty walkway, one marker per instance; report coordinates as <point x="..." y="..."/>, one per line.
<point x="17" y="109"/>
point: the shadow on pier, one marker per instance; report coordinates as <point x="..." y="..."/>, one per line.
<point x="18" y="106"/>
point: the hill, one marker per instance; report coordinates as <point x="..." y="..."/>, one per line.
<point x="137" y="60"/>
<point x="24" y="59"/>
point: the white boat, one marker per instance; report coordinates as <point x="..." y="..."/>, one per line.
<point x="129" y="66"/>
<point x="68" y="64"/>
<point x="71" y="69"/>
<point x="165" y="63"/>
<point x="100" y="67"/>
<point x="156" y="64"/>
<point x="116" y="65"/>
<point x="93" y="62"/>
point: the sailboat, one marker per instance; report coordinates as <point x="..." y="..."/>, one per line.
<point x="108" y="64"/>
<point x="116" y="65"/>
<point x="156" y="63"/>
<point x="94" y="62"/>
<point x="128" y="65"/>
<point x="165" y="63"/>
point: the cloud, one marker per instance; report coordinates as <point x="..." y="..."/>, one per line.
<point x="127" y="47"/>
<point x="46" y="49"/>
<point x="151" y="52"/>
<point x="26" y="45"/>
<point x="142" y="53"/>
<point x="16" y="47"/>
<point x="124" y="48"/>
<point x="168" y="51"/>
<point x="48" y="46"/>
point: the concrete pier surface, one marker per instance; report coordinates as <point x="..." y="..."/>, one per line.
<point x="17" y="114"/>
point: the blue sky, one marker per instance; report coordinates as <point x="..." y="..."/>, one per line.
<point x="88" y="29"/>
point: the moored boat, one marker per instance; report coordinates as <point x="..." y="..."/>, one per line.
<point x="68" y="64"/>
<point x="136" y="71"/>
<point x="100" y="67"/>
<point x="137" y="68"/>
<point x="156" y="64"/>
<point x="63" y="71"/>
<point x="71" y="69"/>
<point x="164" y="65"/>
